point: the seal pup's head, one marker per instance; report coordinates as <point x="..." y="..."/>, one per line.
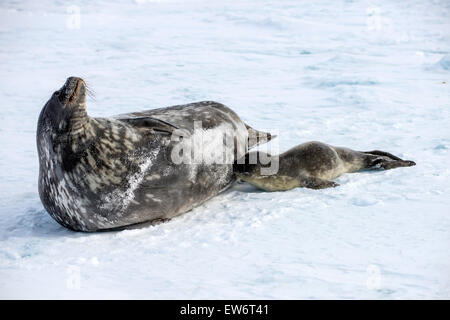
<point x="65" y="111"/>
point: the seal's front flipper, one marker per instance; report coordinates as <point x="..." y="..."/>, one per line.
<point x="270" y="183"/>
<point x="151" y="124"/>
<point x="316" y="183"/>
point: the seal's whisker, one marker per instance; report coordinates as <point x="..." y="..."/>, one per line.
<point x="90" y="92"/>
<point x="91" y="95"/>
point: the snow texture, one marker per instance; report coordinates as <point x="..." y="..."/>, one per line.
<point x="365" y="75"/>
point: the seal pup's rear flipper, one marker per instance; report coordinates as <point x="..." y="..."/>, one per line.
<point x="256" y="137"/>
<point x="383" y="153"/>
<point x="386" y="160"/>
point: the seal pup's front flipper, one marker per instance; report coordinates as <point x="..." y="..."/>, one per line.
<point x="270" y="183"/>
<point x="151" y="124"/>
<point x="283" y="183"/>
<point x="316" y="183"/>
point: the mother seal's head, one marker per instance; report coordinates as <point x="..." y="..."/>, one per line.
<point x="65" y="111"/>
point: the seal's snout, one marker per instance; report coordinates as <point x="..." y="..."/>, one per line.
<point x="72" y="90"/>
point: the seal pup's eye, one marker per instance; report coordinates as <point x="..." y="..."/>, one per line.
<point x="56" y="93"/>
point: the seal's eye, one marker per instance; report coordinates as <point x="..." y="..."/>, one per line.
<point x="56" y="93"/>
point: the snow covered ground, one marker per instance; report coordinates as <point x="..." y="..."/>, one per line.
<point x="351" y="73"/>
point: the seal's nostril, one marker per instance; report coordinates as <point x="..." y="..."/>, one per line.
<point x="71" y="90"/>
<point x="73" y="81"/>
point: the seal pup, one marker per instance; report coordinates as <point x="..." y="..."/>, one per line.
<point x="313" y="165"/>
<point x="113" y="173"/>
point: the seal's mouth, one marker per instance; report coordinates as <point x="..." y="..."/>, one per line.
<point x="72" y="90"/>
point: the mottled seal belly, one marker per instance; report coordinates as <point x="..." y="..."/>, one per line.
<point x="311" y="165"/>
<point x="109" y="173"/>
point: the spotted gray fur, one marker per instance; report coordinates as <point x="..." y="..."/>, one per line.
<point x="111" y="173"/>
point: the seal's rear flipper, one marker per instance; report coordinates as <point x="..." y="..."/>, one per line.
<point x="256" y="137"/>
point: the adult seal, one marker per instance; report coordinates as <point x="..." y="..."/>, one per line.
<point x="114" y="173"/>
<point x="312" y="165"/>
